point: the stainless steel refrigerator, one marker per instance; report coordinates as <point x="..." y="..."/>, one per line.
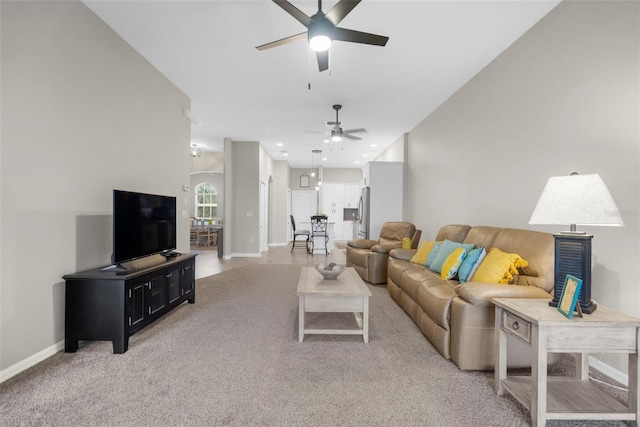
<point x="363" y="213"/>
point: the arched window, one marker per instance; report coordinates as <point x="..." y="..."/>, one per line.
<point x="206" y="201"/>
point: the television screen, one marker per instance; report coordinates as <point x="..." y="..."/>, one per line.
<point x="143" y="224"/>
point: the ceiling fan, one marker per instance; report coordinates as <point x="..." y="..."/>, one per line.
<point x="322" y="29"/>
<point x="336" y="131"/>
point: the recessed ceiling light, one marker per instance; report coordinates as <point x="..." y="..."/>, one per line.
<point x="279" y="144"/>
<point x="357" y="162"/>
<point x="374" y="145"/>
<point x="364" y="155"/>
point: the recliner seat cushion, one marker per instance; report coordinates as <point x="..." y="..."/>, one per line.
<point x="435" y="300"/>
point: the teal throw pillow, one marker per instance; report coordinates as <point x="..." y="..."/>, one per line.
<point x="446" y="249"/>
<point x="433" y="254"/>
<point x="470" y="264"/>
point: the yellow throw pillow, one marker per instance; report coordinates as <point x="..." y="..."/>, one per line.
<point x="452" y="264"/>
<point x="498" y="267"/>
<point x="421" y="256"/>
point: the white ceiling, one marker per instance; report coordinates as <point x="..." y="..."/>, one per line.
<point x="207" y="49"/>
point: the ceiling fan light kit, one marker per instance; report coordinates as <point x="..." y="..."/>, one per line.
<point x="320" y="33"/>
<point x="320" y="43"/>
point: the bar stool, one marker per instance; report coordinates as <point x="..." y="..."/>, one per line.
<point x="319" y="230"/>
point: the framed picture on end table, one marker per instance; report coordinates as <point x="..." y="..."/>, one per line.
<point x="569" y="297"/>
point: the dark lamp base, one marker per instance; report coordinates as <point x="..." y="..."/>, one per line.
<point x="573" y="256"/>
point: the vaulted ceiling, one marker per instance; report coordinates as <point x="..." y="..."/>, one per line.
<point x="279" y="98"/>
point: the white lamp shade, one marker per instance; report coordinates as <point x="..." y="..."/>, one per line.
<point x="576" y="199"/>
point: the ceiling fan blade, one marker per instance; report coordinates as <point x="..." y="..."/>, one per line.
<point x="282" y="41"/>
<point x="346" y="135"/>
<point x="340" y="10"/>
<point x="359" y="37"/>
<point x="355" y="130"/>
<point x="299" y="15"/>
<point x="332" y="124"/>
<point x="323" y="60"/>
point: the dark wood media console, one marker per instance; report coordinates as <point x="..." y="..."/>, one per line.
<point x="109" y="305"/>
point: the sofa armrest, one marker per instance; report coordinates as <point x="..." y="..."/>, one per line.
<point x="402" y="254"/>
<point x="362" y="243"/>
<point x="480" y="294"/>
<point x="386" y="248"/>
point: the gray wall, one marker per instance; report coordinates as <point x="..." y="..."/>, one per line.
<point x="245" y="186"/>
<point x="208" y="162"/>
<point x="82" y="114"/>
<point x="346" y="175"/>
<point x="562" y="98"/>
<point x="279" y="203"/>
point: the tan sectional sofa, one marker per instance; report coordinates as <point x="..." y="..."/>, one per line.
<point x="458" y="318"/>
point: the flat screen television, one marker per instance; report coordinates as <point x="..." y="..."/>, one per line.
<point x="143" y="224"/>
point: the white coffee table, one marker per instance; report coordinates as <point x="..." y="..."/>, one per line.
<point x="347" y="294"/>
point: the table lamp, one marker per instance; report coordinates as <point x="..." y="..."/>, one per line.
<point x="575" y="200"/>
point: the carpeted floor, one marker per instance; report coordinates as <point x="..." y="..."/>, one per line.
<point x="233" y="359"/>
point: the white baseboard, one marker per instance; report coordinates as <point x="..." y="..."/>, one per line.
<point x="25" y="364"/>
<point x="609" y="371"/>
<point x="278" y="244"/>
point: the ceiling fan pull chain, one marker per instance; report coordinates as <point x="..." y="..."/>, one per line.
<point x="309" y="70"/>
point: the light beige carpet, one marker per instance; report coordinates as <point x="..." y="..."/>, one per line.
<point x="233" y="359"/>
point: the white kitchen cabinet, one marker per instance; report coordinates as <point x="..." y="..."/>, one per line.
<point x="351" y="195"/>
<point x="332" y="199"/>
<point x="335" y="197"/>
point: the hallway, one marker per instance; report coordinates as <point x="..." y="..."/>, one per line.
<point x="208" y="263"/>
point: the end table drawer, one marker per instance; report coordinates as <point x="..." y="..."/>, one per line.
<point x="516" y="326"/>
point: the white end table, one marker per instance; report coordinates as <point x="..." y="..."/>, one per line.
<point x="545" y="329"/>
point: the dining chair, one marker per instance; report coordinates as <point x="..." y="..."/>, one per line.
<point x="304" y="233"/>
